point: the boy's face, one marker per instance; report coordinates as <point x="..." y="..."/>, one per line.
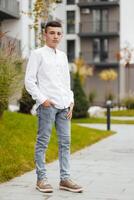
<point x="53" y="36"/>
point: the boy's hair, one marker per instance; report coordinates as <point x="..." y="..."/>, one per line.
<point x="52" y="24"/>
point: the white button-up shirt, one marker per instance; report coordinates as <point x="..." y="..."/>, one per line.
<point x="47" y="77"/>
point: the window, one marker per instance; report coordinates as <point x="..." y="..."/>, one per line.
<point x="96" y="50"/>
<point x="100" y="50"/>
<point x="100" y="20"/>
<point x="104" y="19"/>
<point x="70" y="2"/>
<point x="70" y="22"/>
<point x="96" y="21"/>
<point x="71" y="50"/>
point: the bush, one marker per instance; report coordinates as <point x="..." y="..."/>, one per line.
<point x="92" y="96"/>
<point x="129" y="102"/>
<point x="81" y="102"/>
<point x="109" y="96"/>
<point x="26" y="102"/>
<point x="10" y="76"/>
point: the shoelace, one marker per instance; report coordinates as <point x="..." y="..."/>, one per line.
<point x="73" y="183"/>
<point x="45" y="181"/>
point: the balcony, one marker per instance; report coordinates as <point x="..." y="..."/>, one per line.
<point x="100" y="58"/>
<point x="98" y="3"/>
<point x="9" y="9"/>
<point x="99" y="29"/>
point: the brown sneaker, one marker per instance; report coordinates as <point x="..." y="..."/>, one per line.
<point x="44" y="186"/>
<point x="69" y="185"/>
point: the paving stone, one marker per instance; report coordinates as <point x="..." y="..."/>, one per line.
<point x="105" y="170"/>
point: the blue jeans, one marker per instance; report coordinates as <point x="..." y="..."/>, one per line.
<point x="46" y="117"/>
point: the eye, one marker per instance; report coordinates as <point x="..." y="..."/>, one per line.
<point x="52" y="32"/>
<point x="59" y="33"/>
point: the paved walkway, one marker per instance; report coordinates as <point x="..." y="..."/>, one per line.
<point x="106" y="170"/>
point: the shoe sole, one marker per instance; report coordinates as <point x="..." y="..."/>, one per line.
<point x="71" y="190"/>
<point x="44" y="190"/>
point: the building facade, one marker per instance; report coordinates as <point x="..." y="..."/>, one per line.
<point x="92" y="31"/>
<point x="95" y="30"/>
<point x="15" y="22"/>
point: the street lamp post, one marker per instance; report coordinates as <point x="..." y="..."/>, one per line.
<point x="108" y="105"/>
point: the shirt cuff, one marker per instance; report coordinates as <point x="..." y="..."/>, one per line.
<point x="42" y="99"/>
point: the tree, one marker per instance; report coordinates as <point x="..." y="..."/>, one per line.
<point x="40" y="13"/>
<point x="80" y="71"/>
<point x="81" y="102"/>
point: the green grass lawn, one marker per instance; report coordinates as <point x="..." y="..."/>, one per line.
<point x="128" y="113"/>
<point x="17" y="141"/>
<point x="102" y="121"/>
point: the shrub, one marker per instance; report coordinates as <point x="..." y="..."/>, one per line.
<point x="128" y="102"/>
<point x="92" y="96"/>
<point x="26" y="102"/>
<point x="81" y="102"/>
<point x="10" y="76"/>
<point x="109" y="96"/>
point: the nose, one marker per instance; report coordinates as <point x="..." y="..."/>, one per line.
<point x="55" y="35"/>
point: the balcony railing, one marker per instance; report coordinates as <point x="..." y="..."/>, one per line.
<point x="9" y="9"/>
<point x="92" y="27"/>
<point x="93" y="3"/>
<point x="100" y="56"/>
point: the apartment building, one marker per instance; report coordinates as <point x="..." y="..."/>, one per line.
<point x="99" y="34"/>
<point x="92" y="31"/>
<point x="16" y="25"/>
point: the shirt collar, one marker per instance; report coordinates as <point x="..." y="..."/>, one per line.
<point x="50" y="49"/>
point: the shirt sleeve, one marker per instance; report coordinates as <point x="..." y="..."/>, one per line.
<point x="31" y="78"/>
<point x="71" y="96"/>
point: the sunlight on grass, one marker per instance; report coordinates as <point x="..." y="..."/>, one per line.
<point x="102" y="121"/>
<point x="128" y="113"/>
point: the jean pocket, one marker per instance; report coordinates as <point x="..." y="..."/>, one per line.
<point x="46" y="107"/>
